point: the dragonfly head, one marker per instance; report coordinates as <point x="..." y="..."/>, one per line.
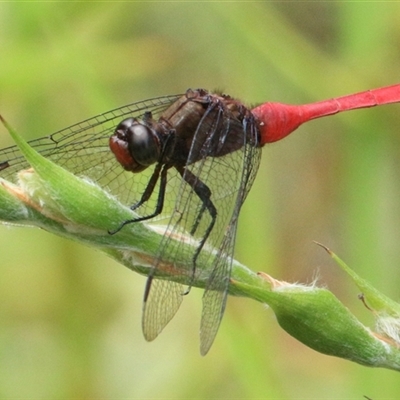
<point x="135" y="145"/>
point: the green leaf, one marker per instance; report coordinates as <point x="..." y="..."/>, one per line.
<point x="315" y="317"/>
<point x="54" y="199"/>
<point x="377" y="300"/>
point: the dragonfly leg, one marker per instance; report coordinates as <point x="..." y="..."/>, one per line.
<point x="198" y="219"/>
<point x="160" y="199"/>
<point x="167" y="149"/>
<point x="149" y="188"/>
<point x="204" y="194"/>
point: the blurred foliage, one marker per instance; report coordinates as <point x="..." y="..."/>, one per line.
<point x="70" y="317"/>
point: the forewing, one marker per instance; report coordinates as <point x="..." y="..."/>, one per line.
<point x="83" y="150"/>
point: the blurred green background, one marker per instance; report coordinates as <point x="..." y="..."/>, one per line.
<point x="70" y="317"/>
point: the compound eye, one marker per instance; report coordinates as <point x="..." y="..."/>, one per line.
<point x="124" y="125"/>
<point x="143" y="143"/>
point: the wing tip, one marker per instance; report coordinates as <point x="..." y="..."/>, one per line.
<point x="161" y="301"/>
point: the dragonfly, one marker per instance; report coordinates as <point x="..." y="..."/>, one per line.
<point x="186" y="161"/>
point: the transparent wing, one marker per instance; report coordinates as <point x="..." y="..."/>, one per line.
<point x="83" y="150"/>
<point x="158" y="309"/>
<point x="229" y="178"/>
<point x="216" y="292"/>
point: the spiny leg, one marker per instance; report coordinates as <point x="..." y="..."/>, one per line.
<point x="204" y="194"/>
<point x="149" y="188"/>
<point x="146" y="195"/>
<point x="198" y="219"/>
